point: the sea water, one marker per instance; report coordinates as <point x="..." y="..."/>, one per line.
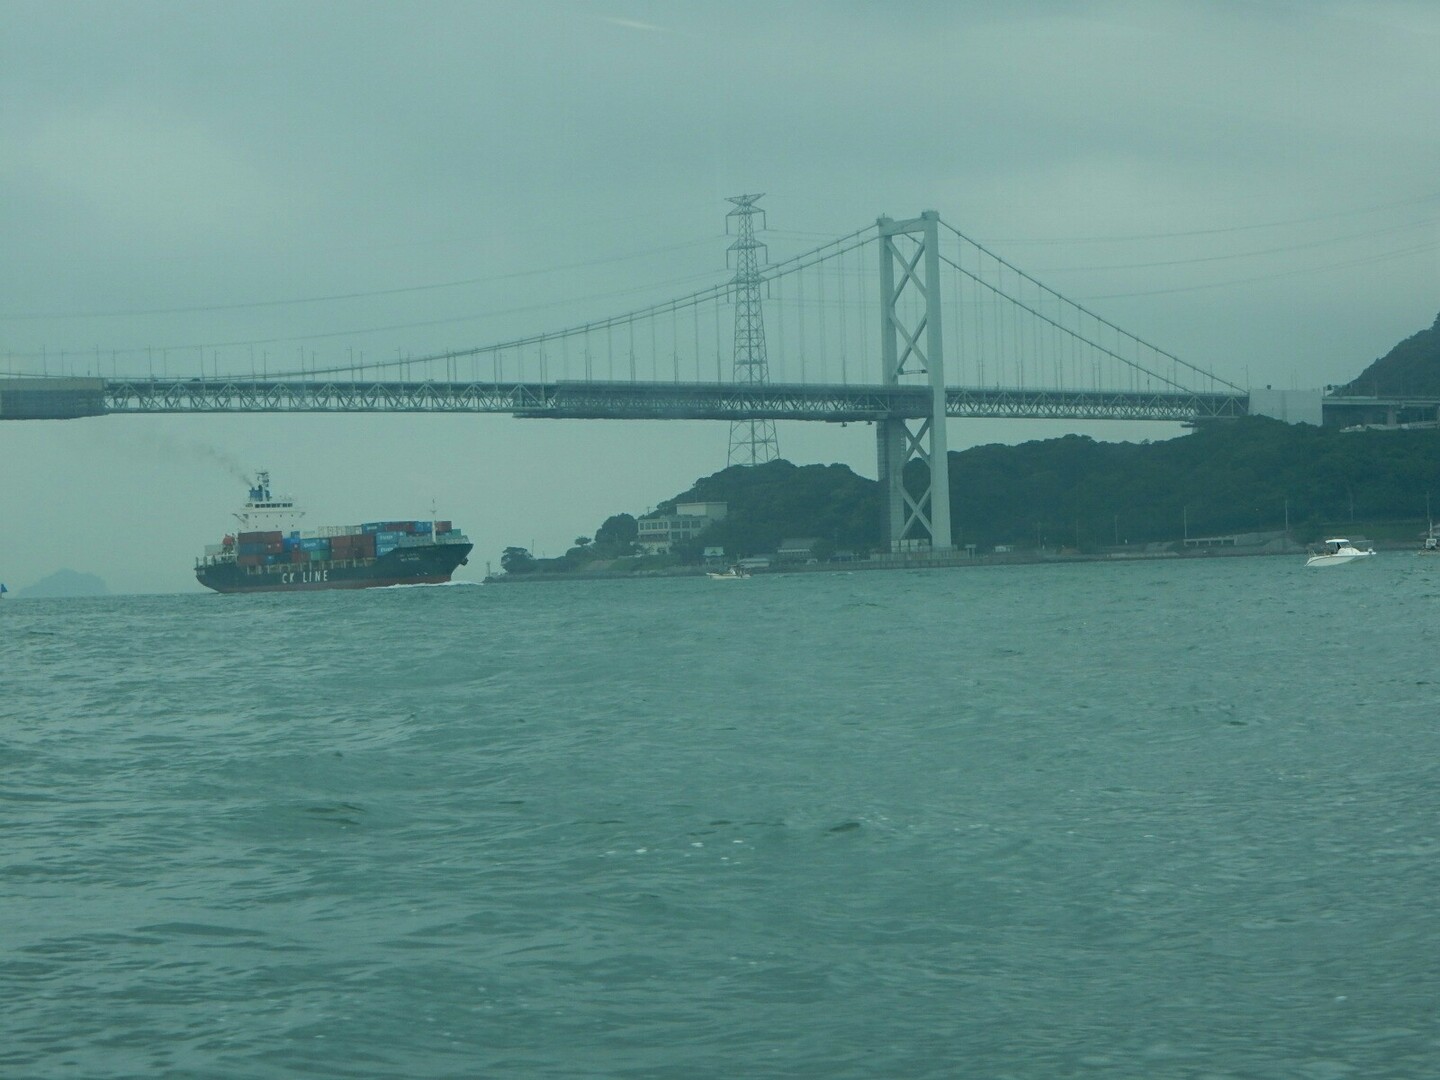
<point x="1160" y="819"/>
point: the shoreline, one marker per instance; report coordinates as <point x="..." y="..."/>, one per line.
<point x="917" y="562"/>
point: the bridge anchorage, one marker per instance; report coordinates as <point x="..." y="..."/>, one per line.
<point x="950" y="328"/>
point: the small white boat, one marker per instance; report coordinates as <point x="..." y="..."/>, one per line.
<point x="1431" y="545"/>
<point x="733" y="574"/>
<point x="1337" y="551"/>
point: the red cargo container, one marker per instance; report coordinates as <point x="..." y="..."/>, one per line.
<point x="260" y="537"/>
<point x="442" y="526"/>
<point x="250" y="560"/>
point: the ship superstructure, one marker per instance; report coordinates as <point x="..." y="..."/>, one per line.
<point x="267" y="512"/>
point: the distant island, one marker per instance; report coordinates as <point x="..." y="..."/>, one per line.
<point x="63" y="584"/>
<point x="1251" y="477"/>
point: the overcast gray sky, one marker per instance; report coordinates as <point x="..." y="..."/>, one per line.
<point x="1252" y="186"/>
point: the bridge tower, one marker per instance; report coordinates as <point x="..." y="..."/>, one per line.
<point x="752" y="442"/>
<point x="925" y="515"/>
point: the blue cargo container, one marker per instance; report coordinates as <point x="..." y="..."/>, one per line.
<point x="371" y="526"/>
<point x="422" y="526"/>
<point x="315" y="543"/>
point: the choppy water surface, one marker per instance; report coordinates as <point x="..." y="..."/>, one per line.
<point x="1151" y="820"/>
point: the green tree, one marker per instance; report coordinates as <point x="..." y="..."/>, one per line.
<point x="618" y="529"/>
<point x="517" y="560"/>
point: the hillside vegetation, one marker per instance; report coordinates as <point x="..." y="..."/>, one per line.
<point x="1240" y="477"/>
<point x="1410" y="368"/>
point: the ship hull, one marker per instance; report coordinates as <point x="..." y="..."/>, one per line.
<point x="430" y="564"/>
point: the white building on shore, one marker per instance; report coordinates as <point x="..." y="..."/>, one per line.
<point x="660" y="532"/>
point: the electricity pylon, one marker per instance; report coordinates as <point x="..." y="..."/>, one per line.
<point x="752" y="442"/>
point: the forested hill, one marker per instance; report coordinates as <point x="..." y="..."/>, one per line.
<point x="1075" y="492"/>
<point x="1412" y="367"/>
<point x="1254" y="474"/>
<point x="1238" y="477"/>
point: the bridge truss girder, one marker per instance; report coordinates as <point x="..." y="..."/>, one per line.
<point x="1012" y="404"/>
<point x="283" y="395"/>
<point x="644" y="401"/>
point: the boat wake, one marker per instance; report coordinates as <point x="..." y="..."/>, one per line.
<point x="433" y="585"/>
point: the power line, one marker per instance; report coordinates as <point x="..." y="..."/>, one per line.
<point x="1216" y="232"/>
<point x="252" y="304"/>
<point x="520" y="310"/>
<point x="1242" y="254"/>
<point x="1368" y="260"/>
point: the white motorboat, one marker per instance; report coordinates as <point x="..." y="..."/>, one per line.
<point x="735" y="573"/>
<point x="1337" y="551"/>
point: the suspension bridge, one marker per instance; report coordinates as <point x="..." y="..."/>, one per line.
<point x="902" y="324"/>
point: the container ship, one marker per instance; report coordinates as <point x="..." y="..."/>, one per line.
<point x="267" y="554"/>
